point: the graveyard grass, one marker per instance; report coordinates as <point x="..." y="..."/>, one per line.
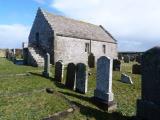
<point x="23" y="95"/>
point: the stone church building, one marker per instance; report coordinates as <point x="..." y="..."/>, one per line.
<point x="67" y="39"/>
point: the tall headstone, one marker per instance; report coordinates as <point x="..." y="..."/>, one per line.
<point x="103" y="93"/>
<point x="81" y="78"/>
<point x="46" y="71"/>
<point x="116" y="65"/>
<point x="59" y="71"/>
<point x="148" y="107"/>
<point x="70" y="77"/>
<point x="91" y="60"/>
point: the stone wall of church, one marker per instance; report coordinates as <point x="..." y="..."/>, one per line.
<point x="73" y="50"/>
<point x="46" y="35"/>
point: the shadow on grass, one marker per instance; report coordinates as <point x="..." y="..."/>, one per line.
<point x="88" y="99"/>
<point x="58" y="84"/>
<point x="90" y="112"/>
<point x="40" y="75"/>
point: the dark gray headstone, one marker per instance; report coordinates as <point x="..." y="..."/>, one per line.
<point x="81" y="78"/>
<point x="103" y="91"/>
<point x="136" y="69"/>
<point x="70" y="77"/>
<point x="149" y="106"/>
<point x="126" y="59"/>
<point x="59" y="71"/>
<point x="91" y="60"/>
<point x="119" y="57"/>
<point x="116" y="65"/>
<point x="138" y="58"/>
<point x="132" y="58"/>
<point x="46" y="71"/>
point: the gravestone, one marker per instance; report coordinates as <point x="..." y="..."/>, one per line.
<point x="132" y="58"/>
<point x="116" y="65"/>
<point x="136" y="69"/>
<point x="91" y="60"/>
<point x="126" y="79"/>
<point x="70" y="77"/>
<point x="138" y="58"/>
<point x="103" y="95"/>
<point x="25" y="55"/>
<point x="119" y="57"/>
<point x="148" y="107"/>
<point x="81" y="78"/>
<point x="59" y="71"/>
<point x="46" y="71"/>
<point x="126" y="59"/>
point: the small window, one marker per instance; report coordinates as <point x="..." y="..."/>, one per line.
<point x="37" y="36"/>
<point x="37" y="39"/>
<point x="104" y="48"/>
<point x="87" y="47"/>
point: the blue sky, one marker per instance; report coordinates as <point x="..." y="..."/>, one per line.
<point x="134" y="23"/>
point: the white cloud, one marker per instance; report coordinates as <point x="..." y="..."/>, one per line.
<point x="40" y="1"/>
<point x="12" y="36"/>
<point x="134" y="21"/>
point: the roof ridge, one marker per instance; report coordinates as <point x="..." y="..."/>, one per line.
<point x="72" y="27"/>
<point x="57" y="15"/>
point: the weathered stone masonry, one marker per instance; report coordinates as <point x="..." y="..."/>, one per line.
<point x="65" y="39"/>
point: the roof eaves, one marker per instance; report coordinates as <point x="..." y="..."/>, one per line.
<point x="107" y="32"/>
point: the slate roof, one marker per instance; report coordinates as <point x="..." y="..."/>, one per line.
<point x="74" y="28"/>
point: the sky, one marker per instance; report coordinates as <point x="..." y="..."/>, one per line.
<point x="135" y="24"/>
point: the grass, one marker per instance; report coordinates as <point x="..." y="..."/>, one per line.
<point x="23" y="97"/>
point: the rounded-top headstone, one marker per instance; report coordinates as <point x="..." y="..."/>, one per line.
<point x="70" y="77"/>
<point x="91" y="60"/>
<point x="59" y="71"/>
<point x="81" y="78"/>
<point x="116" y="65"/>
<point x="104" y="73"/>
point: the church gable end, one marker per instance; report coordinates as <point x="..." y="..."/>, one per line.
<point x="41" y="34"/>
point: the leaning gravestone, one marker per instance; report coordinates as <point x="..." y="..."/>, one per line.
<point x="103" y="95"/>
<point x="126" y="59"/>
<point x="136" y="69"/>
<point x="116" y="65"/>
<point x="148" y="107"/>
<point x="59" y="71"/>
<point x="81" y="78"/>
<point x="46" y="71"/>
<point x="70" y="77"/>
<point x="91" y="60"/>
<point x="126" y="79"/>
